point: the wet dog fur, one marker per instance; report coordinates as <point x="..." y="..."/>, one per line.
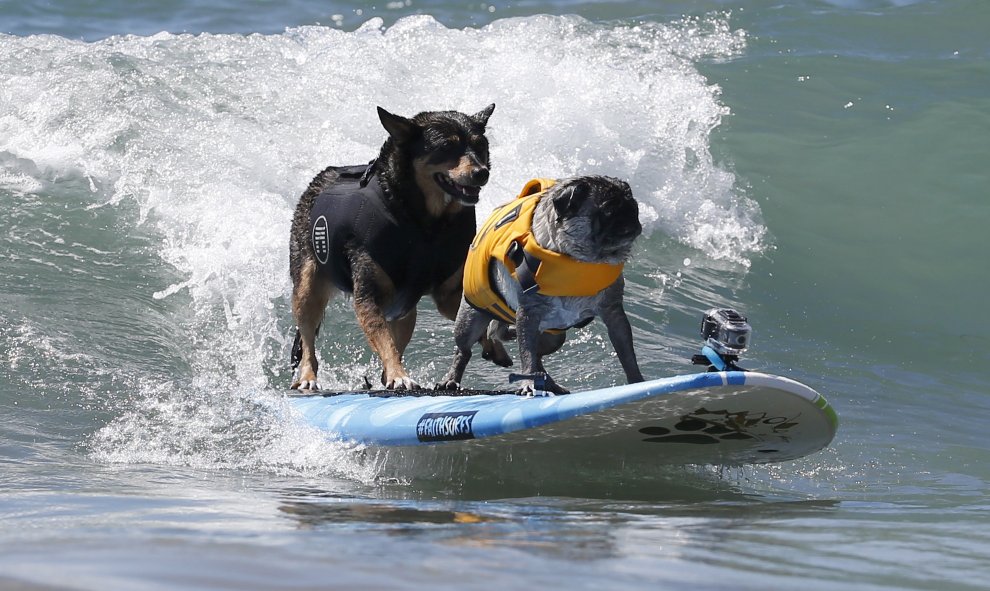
<point x="592" y="219"/>
<point x="431" y="167"/>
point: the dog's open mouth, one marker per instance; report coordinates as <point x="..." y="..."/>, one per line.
<point x="466" y="194"/>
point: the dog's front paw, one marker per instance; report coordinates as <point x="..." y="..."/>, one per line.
<point x="549" y="387"/>
<point x="528" y="389"/>
<point x="447" y="384"/>
<point x="401" y="383"/>
<point x="306" y="386"/>
<point x="552" y="386"/>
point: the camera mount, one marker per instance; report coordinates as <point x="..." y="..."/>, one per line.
<point x="726" y="333"/>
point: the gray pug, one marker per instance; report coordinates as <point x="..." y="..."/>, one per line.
<point x="593" y="221"/>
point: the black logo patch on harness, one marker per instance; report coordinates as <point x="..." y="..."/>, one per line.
<point x="321" y="240"/>
<point x="445" y="426"/>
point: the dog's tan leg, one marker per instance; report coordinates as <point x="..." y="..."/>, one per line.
<point x="372" y="288"/>
<point x="379" y="335"/>
<point x="309" y="301"/>
<point x="402" y="331"/>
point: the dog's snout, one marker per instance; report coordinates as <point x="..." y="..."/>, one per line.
<point x="479" y="175"/>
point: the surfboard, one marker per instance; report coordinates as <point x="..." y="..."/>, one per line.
<point x="724" y="418"/>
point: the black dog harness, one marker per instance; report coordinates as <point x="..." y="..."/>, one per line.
<point x="355" y="213"/>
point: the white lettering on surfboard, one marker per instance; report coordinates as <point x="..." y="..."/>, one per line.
<point x="445" y="426"/>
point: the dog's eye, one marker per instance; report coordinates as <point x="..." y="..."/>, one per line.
<point x="449" y="143"/>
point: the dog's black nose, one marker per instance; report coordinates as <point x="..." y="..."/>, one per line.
<point x="479" y="175"/>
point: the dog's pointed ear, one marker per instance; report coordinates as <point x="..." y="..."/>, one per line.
<point x="481" y="117"/>
<point x="401" y="130"/>
<point x="569" y="200"/>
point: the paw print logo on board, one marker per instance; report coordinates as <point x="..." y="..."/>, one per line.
<point x="707" y="427"/>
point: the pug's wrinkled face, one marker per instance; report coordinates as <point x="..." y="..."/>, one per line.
<point x="597" y="218"/>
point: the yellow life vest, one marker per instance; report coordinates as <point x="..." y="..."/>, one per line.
<point x="507" y="237"/>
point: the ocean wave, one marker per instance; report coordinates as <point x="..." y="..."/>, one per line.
<point x="213" y="137"/>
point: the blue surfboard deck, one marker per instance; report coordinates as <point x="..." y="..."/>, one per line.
<point x="723" y="418"/>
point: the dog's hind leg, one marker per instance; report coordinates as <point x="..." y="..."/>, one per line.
<point x="551" y="343"/>
<point x="492" y="348"/>
<point x="448" y="299"/>
<point x="310" y="296"/>
<point x="469" y="327"/>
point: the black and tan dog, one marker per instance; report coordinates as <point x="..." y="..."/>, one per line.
<point x="549" y="260"/>
<point x="389" y="233"/>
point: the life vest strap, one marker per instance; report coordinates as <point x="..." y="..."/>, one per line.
<point x="526" y="265"/>
<point x="368" y="173"/>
